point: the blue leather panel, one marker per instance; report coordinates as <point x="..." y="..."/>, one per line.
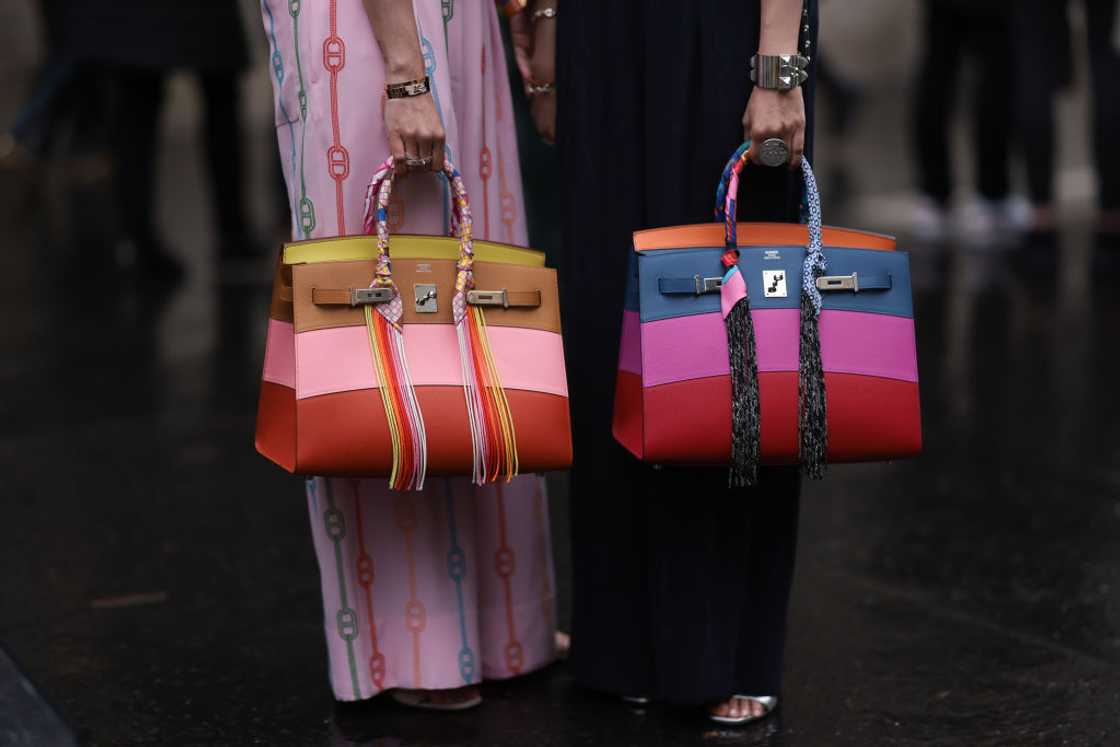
<point x="685" y="263"/>
<point x="632" y="298"/>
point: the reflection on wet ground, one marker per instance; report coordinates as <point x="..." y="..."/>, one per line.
<point x="160" y="587"/>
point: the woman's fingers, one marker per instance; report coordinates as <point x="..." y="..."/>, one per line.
<point x="397" y="151"/>
<point x="797" y="147"/>
<point x="437" y="151"/>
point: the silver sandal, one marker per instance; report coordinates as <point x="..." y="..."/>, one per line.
<point x="768" y="703"/>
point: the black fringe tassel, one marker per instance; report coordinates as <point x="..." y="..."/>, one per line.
<point x="812" y="421"/>
<point x="744" y="396"/>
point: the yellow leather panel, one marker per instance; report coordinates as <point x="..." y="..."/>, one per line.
<point x="405" y="246"/>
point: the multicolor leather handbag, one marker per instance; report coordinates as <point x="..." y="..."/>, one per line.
<point x="767" y="343"/>
<point x="447" y="360"/>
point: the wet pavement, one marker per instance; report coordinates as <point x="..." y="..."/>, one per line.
<point x="160" y="587"/>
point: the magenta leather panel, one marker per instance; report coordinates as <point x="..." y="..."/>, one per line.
<point x="630" y="346"/>
<point x="695" y="347"/>
<point x="857" y="342"/>
<point x="338" y="360"/>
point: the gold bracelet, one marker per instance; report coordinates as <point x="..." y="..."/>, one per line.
<point x="408" y="88"/>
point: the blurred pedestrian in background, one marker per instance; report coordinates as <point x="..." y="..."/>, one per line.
<point x="1043" y="67"/>
<point x="956" y="30"/>
<point x="137" y="44"/>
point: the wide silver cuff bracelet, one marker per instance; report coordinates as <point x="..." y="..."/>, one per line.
<point x="781" y="72"/>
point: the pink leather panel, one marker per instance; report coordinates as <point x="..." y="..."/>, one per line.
<point x="279" y="354"/>
<point x="338" y="359"/>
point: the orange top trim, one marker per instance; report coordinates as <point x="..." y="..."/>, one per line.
<point x="757" y="234"/>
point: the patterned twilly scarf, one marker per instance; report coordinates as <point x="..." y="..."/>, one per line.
<point x="745" y="404"/>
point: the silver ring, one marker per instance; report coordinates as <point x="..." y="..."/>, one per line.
<point x="414" y="162"/>
<point x="773" y="152"/>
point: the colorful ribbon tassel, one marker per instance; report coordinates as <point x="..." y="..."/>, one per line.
<point x="493" y="438"/>
<point x="492" y="432"/>
<point x="386" y="337"/>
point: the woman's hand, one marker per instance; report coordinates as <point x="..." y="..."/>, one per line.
<point x="779" y="114"/>
<point x="414" y="131"/>
<point x="534" y="48"/>
<point x="411" y="123"/>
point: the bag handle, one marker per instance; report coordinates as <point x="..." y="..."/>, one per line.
<point x="726" y="196"/>
<point x="378" y="195"/>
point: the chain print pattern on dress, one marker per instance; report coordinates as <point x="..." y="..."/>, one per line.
<point x="505" y="565"/>
<point x="415" y="615"/>
<point x="540" y="514"/>
<point x="306" y="207"/>
<point x="334" y="523"/>
<point x="457" y="570"/>
<point x="484" y="165"/>
<point x="277" y="62"/>
<point x="338" y="158"/>
<point x="366" y="573"/>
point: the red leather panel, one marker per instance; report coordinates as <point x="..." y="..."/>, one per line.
<point x="346" y="433"/>
<point x="627" y="426"/>
<point x="872" y="419"/>
<point x="869" y="419"/>
<point x="276" y="424"/>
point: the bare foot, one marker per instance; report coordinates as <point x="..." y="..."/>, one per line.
<point x="738" y="708"/>
<point x="563" y="643"/>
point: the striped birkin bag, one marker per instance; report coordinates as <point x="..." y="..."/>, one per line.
<point x="767" y="343"/>
<point x="446" y="360"/>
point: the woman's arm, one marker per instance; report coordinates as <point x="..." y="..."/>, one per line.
<point x="534" y="46"/>
<point x="412" y="123"/>
<point x="770" y="113"/>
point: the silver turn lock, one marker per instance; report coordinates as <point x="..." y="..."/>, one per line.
<point x="425" y="295"/>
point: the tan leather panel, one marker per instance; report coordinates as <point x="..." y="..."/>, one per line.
<point x="441" y="273"/>
<point x="281" y="307"/>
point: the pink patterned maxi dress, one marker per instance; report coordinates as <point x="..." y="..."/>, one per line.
<point x="455" y="584"/>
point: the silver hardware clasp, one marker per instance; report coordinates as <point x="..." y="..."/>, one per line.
<point x="488" y="298"/>
<point x="839" y="282"/>
<point x="363" y="296"/>
<point x="706" y="285"/>
<point x="425" y="295"/>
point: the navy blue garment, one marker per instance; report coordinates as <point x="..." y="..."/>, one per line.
<point x="681" y="584"/>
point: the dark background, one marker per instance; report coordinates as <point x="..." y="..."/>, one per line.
<point x="159" y="585"/>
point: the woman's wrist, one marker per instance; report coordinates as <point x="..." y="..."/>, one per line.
<point x="399" y="71"/>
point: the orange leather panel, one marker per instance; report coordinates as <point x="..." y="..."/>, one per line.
<point x="407" y="272"/>
<point x="756" y="234"/>
<point x="281" y="308"/>
<point x="276" y="424"/>
<point x="345" y="433"/>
